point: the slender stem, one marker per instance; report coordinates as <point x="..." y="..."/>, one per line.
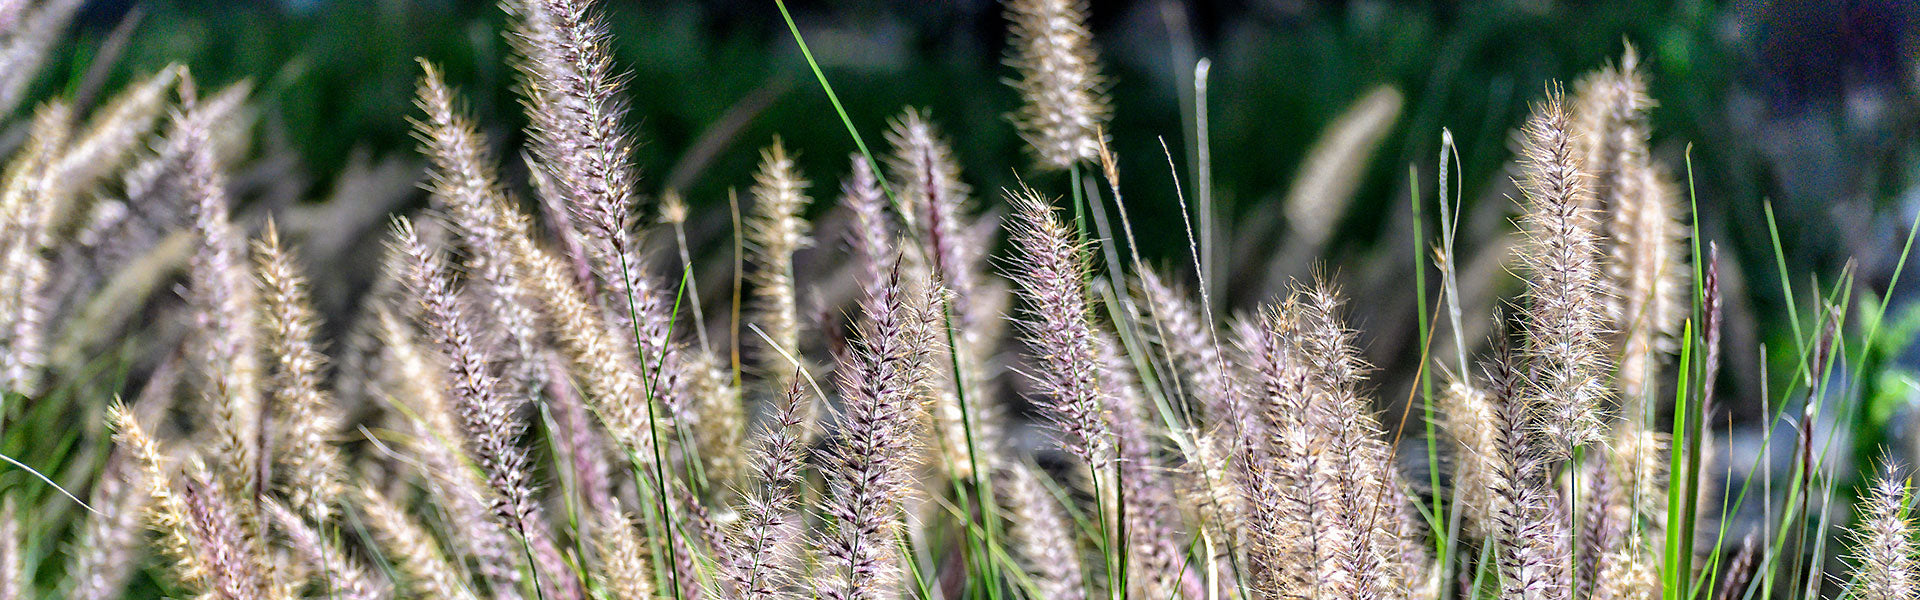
<point x="653" y="430"/>
<point x="1426" y="378"/>
<point x="858" y="142"/>
<point x="981" y="481"/>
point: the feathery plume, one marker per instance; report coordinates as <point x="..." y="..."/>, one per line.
<point x="928" y="177"/>
<point x="116" y="129"/>
<point x="579" y="142"/>
<point x="1740" y="568"/>
<point x="168" y="511"/>
<point x="225" y="313"/>
<point x="1565" y="316"/>
<point x="1636" y="458"/>
<point x="604" y="364"/>
<point x="464" y="187"/>
<point x="1626" y="574"/>
<point x="1531" y="524"/>
<point x="1712" y="321"/>
<point x="1646" y="238"/>
<point x="1156" y="565"/>
<point x="487" y="413"/>
<point x="761" y="554"/>
<point x="452" y="484"/>
<point x="201" y="532"/>
<point x="937" y="204"/>
<point x="575" y="122"/>
<point x="1323" y="499"/>
<point x="1292" y="534"/>
<point x="235" y="563"/>
<point x="870" y="466"/>
<point x="336" y="574"/>
<point x="873" y="234"/>
<point x="105" y="555"/>
<point x="1604" y="523"/>
<point x="411" y="549"/>
<point x="1352" y="433"/>
<point x="686" y="581"/>
<point x="1041" y="533"/>
<point x="28" y="193"/>
<point x="1332" y="170"/>
<point x="625" y="570"/>
<point x="304" y="442"/>
<point x="578" y="139"/>
<point x="720" y="429"/>
<point x="1471" y="420"/>
<point x="58" y="166"/>
<point x="26" y="45"/>
<point x="1884" y="563"/>
<point x="1608" y="114"/>
<point x="576" y="441"/>
<point x="775" y="230"/>
<point x="1418" y="569"/>
<point x="1197" y="359"/>
<point x="1051" y="271"/>
<point x="1064" y="102"/>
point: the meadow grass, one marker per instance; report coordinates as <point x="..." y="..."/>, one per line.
<point x="526" y="414"/>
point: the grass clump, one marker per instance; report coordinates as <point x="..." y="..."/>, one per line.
<point x="528" y="406"/>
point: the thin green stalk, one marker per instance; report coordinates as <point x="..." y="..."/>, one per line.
<point x="1196" y="253"/>
<point x="989" y="508"/>
<point x="653" y="427"/>
<point x="1480" y="567"/>
<point x="1674" y="576"/>
<point x="858" y="141"/>
<point x="1121" y="555"/>
<point x="1426" y="378"/>
<point x="1786" y="282"/>
<point x="1848" y="421"/>
<point x="1880" y="313"/>
<point x="921" y="584"/>
<point x="695" y="467"/>
<point x="1106" y="537"/>
<point x="1079" y="203"/>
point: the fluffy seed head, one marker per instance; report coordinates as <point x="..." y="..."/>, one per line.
<point x="774" y="231"/>
<point x="225" y="311"/>
<point x="1885" y="567"/>
<point x="761" y="555"/>
<point x="303" y="411"/>
<point x="1564" y="318"/>
<point x="106" y="551"/>
<point x="625" y="570"/>
<point x="1064" y="102"/>
<point x="486" y="409"/>
<point x="928" y="179"/>
<point x="463" y="185"/>
<point x="335" y="572"/>
<point x="28" y="195"/>
<point x="1051" y="271"/>
<point x="1333" y="169"/>
<point x="1042" y="534"/>
<point x="870" y="467"/>
<point x="1646" y="241"/>
<point x="410" y="547"/>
